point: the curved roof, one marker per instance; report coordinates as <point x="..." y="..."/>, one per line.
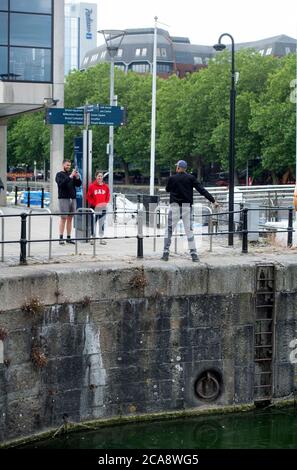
<point x="137" y="47"/>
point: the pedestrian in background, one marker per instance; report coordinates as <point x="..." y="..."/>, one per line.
<point x="67" y="180"/>
<point x="98" y="197"/>
<point x="180" y="186"/>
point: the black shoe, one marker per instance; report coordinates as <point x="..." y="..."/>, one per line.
<point x="61" y="241"/>
<point x="165" y="256"/>
<point x="72" y="242"/>
<point x="195" y="258"/>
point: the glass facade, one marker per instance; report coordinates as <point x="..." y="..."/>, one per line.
<point x="3" y="28"/>
<point x="31" y="6"/>
<point x="30" y="30"/>
<point x="26" y="40"/>
<point x="71" y="44"/>
<point x="3" y="61"/>
<point x="31" y="64"/>
<point x="3" y="4"/>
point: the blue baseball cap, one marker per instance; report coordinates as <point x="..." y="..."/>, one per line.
<point x="182" y="164"/>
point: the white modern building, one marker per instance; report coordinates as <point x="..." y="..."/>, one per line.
<point x="80" y="32"/>
<point x="31" y="69"/>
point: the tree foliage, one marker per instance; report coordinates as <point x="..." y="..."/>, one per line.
<point x="192" y="116"/>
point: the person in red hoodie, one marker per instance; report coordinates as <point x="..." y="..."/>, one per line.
<point x="98" y="197"/>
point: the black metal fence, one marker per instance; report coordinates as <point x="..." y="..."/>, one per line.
<point x="242" y="229"/>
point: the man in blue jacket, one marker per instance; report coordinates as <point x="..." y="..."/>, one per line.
<point x="180" y="186"/>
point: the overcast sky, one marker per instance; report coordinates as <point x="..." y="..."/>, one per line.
<point x="203" y="20"/>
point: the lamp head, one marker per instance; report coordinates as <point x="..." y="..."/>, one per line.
<point x="219" y="47"/>
<point x="48" y="102"/>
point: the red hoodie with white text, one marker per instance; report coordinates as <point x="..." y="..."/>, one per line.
<point x="98" y="195"/>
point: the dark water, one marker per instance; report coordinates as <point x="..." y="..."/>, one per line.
<point x="260" y="429"/>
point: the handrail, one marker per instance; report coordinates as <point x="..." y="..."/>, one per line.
<point x="289" y="229"/>
<point x="2" y="236"/>
<point x="85" y="210"/>
<point x="210" y="226"/>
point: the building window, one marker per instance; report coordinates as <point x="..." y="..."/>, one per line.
<point x="144" y="52"/>
<point x="269" y="50"/>
<point x="137" y="52"/>
<point x="198" y="61"/>
<point x="94" y="57"/>
<point x="4" y="5"/>
<point x="140" y="68"/>
<point x="30" y="30"/>
<point x="161" y="52"/>
<point x="26" y="30"/>
<point x="30" y="64"/>
<point x="164" y="68"/>
<point x="3" y="28"/>
<point x="103" y="54"/>
<point x="261" y="52"/>
<point x="32" y="6"/>
<point x="120" y="52"/>
<point x="120" y="67"/>
<point x="288" y="50"/>
<point x="3" y="61"/>
<point x="206" y="60"/>
<point x="85" y="60"/>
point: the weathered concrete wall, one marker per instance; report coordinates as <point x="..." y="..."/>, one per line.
<point x="101" y="342"/>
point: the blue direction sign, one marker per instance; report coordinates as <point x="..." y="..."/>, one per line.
<point x="72" y="116"/>
<point x="107" y="115"/>
<point x="99" y="115"/>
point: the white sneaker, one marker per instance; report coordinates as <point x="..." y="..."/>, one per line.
<point x="92" y="241"/>
<point x="102" y="242"/>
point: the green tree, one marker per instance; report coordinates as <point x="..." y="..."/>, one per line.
<point x="28" y="140"/>
<point x="254" y="71"/>
<point x="273" y="120"/>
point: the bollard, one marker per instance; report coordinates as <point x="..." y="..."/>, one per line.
<point x="23" y="240"/>
<point x="245" y="231"/>
<point x="29" y="197"/>
<point x="140" y="234"/>
<point x="16" y="196"/>
<point x="290" y="228"/>
<point x="42" y="198"/>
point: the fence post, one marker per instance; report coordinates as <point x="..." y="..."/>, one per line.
<point x="139" y="234"/>
<point x="245" y="231"/>
<point x="29" y="197"/>
<point x="16" y="196"/>
<point x="42" y="198"/>
<point x="23" y="240"/>
<point x="115" y="208"/>
<point x="290" y="228"/>
<point x="138" y="201"/>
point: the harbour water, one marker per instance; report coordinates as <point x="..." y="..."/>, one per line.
<point x="260" y="429"/>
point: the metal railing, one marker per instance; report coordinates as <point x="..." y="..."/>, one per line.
<point x="26" y="241"/>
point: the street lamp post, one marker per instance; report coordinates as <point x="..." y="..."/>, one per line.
<point x="153" y="121"/>
<point x="113" y="40"/>
<point x="220" y="47"/>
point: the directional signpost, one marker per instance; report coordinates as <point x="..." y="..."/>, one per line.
<point x="91" y="114"/>
<point x="72" y="116"/>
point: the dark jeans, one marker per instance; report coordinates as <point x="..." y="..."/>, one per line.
<point x="99" y="215"/>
